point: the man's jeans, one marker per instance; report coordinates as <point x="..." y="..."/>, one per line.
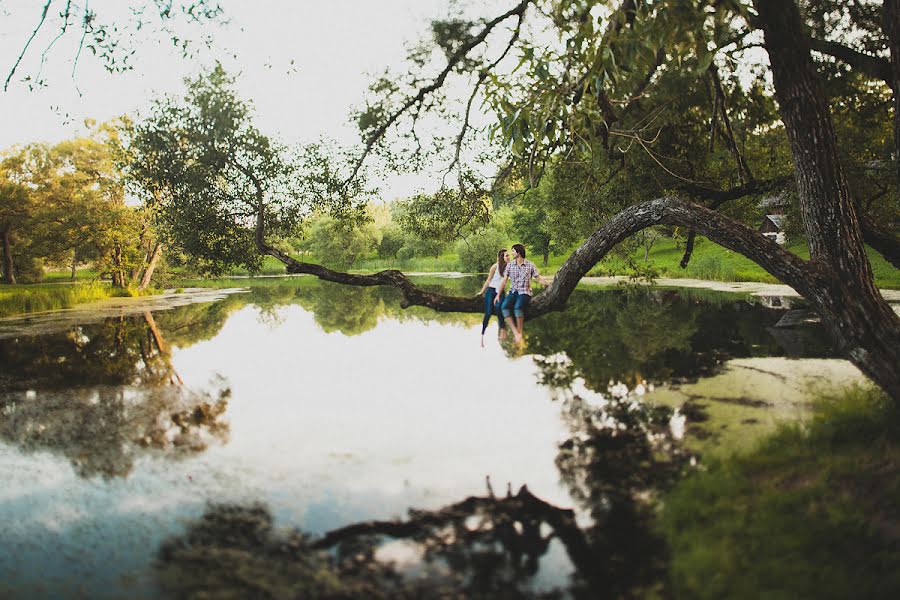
<point x="515" y="303"/>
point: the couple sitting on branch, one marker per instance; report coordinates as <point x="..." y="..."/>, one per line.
<point x="519" y="273"/>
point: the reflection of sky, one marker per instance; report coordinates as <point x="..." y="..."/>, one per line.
<point x="326" y="429"/>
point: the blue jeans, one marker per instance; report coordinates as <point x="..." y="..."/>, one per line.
<point x="490" y="308"/>
<point x="515" y="303"/>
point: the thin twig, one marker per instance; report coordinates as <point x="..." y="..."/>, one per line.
<point x="28" y="43"/>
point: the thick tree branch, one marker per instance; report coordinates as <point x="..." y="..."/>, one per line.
<point x="872" y="66"/>
<point x="881" y="239"/>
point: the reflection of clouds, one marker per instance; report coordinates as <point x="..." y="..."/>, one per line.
<point x="412" y="401"/>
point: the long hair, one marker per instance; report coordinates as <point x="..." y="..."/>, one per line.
<point x="501" y="262"/>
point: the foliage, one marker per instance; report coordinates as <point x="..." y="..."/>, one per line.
<point x="215" y="179"/>
<point x="392" y="239"/>
<point x="810" y="513"/>
<point x="65" y="204"/>
<point x="338" y="244"/>
<point x="479" y="251"/>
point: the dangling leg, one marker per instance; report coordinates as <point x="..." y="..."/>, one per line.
<point x="489" y="296"/>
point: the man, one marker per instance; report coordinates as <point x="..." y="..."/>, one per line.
<point x="519" y="272"/>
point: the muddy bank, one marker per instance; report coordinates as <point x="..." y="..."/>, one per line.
<point x="95" y="312"/>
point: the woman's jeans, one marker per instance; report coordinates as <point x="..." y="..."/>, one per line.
<point x="490" y="307"/>
<point x="516" y="304"/>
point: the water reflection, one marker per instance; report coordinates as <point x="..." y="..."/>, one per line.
<point x="617" y="456"/>
<point x="102" y="394"/>
<point x="336" y="412"/>
<point x="661" y="335"/>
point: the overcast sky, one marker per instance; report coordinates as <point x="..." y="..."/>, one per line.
<point x="334" y="47"/>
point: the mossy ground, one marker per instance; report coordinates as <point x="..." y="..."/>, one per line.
<point x="812" y="512"/>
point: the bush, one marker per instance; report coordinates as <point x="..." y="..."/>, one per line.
<point x="392" y="240"/>
<point x="338" y="245"/>
<point x="479" y="251"/>
<point x="29" y="269"/>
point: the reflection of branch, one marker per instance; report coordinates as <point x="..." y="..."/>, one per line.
<point x="28" y="43"/>
<point x="161" y="345"/>
<point x="524" y="508"/>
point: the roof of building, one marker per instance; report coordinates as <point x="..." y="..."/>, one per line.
<point x="778" y="220"/>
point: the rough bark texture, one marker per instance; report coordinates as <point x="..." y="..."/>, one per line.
<point x="9" y="268"/>
<point x="844" y="294"/>
<point x="890" y="23"/>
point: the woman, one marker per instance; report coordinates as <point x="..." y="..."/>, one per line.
<point x="489" y="289"/>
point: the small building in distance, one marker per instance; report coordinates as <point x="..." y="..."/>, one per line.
<point x="772" y="225"/>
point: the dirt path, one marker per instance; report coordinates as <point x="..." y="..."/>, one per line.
<point x="741" y="287"/>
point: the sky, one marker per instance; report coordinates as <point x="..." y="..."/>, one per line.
<point x="304" y="64"/>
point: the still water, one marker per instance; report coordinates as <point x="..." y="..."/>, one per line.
<point x="208" y="447"/>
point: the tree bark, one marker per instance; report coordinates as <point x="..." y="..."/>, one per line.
<point x="74" y="264"/>
<point x="865" y="327"/>
<point x="890" y="24"/>
<point x="151" y="265"/>
<point x="9" y="267"/>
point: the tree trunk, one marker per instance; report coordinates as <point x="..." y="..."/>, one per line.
<point x="74" y="264"/>
<point x="546" y="256"/>
<point x="865" y="327"/>
<point x="890" y="24"/>
<point x="151" y="265"/>
<point x="9" y="268"/>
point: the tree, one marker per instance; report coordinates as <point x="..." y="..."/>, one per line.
<point x="601" y="92"/>
<point x="338" y="244"/>
<point x="479" y="251"/>
<point x="606" y="99"/>
<point x="66" y="204"/>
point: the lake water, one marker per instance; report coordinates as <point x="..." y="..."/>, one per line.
<point x="168" y="452"/>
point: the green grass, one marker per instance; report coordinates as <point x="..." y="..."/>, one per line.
<point x="26" y="298"/>
<point x="812" y="512"/>
<point x="711" y="261"/>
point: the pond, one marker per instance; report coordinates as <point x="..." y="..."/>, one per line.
<point x="302" y="439"/>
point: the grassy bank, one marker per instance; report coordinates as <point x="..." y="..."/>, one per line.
<point x="812" y="512"/>
<point x="709" y="262"/>
<point x="18" y="299"/>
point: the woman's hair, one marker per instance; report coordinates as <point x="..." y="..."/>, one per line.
<point x="520" y="249"/>
<point x="501" y="261"/>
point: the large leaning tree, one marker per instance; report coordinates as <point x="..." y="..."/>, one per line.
<point x="673" y="101"/>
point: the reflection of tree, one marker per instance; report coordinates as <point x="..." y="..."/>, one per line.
<point x="349" y="310"/>
<point x="639" y="335"/>
<point x="102" y="394"/>
<point x="616" y="458"/>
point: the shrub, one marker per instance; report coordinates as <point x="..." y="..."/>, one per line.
<point x="478" y="252"/>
